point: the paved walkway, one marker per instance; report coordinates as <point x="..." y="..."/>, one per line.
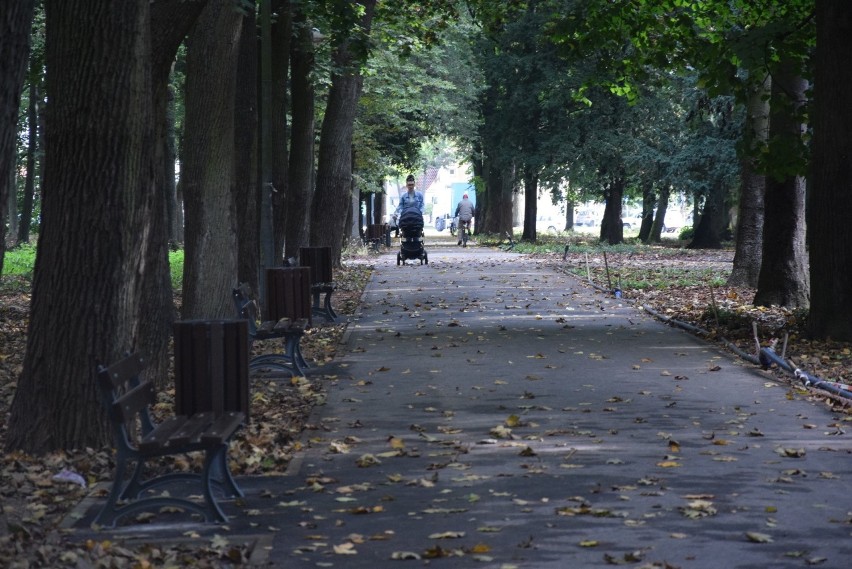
<point x="491" y="412"/>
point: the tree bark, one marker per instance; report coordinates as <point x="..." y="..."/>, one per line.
<point x="15" y="24"/>
<point x="300" y="187"/>
<point x="334" y="176"/>
<point x="749" y="240"/>
<point x="33" y="148"/>
<point x="612" y="230"/>
<point x="210" y="256"/>
<point x="783" y="279"/>
<point x="246" y="190"/>
<point x="708" y="231"/>
<point x="91" y="244"/>
<point x="829" y="199"/>
<point x="660" y="214"/>
<point x="279" y="154"/>
<point x="170" y="21"/>
<point x="649" y="200"/>
<point x="530" y="206"/>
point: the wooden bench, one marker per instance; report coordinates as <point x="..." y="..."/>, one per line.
<point x="211" y="366"/>
<point x="288" y="304"/>
<point x="268" y="330"/>
<point x="138" y="439"/>
<point x="318" y="259"/>
<point x="377" y="235"/>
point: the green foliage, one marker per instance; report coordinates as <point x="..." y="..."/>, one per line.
<point x="176" y="268"/>
<point x="686" y="233"/>
<point x="20" y="262"/>
<point x="18" y="265"/>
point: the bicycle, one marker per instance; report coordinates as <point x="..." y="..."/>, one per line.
<point x="464" y="232"/>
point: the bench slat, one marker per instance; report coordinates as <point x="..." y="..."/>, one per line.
<point x="126" y="407"/>
<point x="191" y="430"/>
<point x="158" y="438"/>
<point x="222" y="428"/>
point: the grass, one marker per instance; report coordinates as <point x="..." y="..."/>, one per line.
<point x="19" y="263"/>
<point x="624" y="275"/>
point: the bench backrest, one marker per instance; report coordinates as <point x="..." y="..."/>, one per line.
<point x="211" y="366"/>
<point x="288" y="293"/>
<point x="318" y="259"/>
<point x="126" y="397"/>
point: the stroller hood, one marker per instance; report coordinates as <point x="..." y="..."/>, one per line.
<point x="411" y="220"/>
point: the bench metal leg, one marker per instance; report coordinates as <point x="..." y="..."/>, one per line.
<point x="323" y="308"/>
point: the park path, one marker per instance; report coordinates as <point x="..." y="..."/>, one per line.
<point x="488" y="411"/>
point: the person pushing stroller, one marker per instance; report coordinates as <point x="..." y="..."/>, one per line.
<point x="409" y="216"/>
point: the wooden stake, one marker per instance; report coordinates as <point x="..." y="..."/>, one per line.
<point x="608" y="279"/>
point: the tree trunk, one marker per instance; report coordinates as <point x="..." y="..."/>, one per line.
<point x="334" y="176"/>
<point x="246" y="190"/>
<point x="169" y="170"/>
<point x="660" y="215"/>
<point x="33" y="144"/>
<point x="749" y="240"/>
<point x="783" y="279"/>
<point x="169" y="23"/>
<point x="90" y="247"/>
<point x="281" y="32"/>
<point x="829" y="199"/>
<point x="569" y="215"/>
<point x="709" y="229"/>
<point x="649" y="200"/>
<point x="530" y="206"/>
<point x="612" y="230"/>
<point x="210" y="256"/>
<point x="300" y="187"/>
<point x="15" y="24"/>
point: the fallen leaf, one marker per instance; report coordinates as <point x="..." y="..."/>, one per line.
<point x="757" y="537"/>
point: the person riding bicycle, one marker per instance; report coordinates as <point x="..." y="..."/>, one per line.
<point x="465" y="211"/>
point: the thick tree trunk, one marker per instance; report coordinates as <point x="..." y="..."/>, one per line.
<point x="334" y="176"/>
<point x="301" y="185"/>
<point x="15" y="23"/>
<point x="281" y="32"/>
<point x="530" y="206"/>
<point x="569" y="215"/>
<point x="708" y="232"/>
<point x="612" y="230"/>
<point x="749" y="240"/>
<point x="246" y="191"/>
<point x="783" y="279"/>
<point x="91" y="246"/>
<point x="210" y="257"/>
<point x="169" y="23"/>
<point x="829" y="198"/>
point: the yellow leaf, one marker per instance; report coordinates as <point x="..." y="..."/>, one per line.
<point x="345" y="549"/>
<point x="480" y="548"/>
<point x="669" y="464"/>
<point x="589" y="543"/>
<point x="396" y="442"/>
<point x="757" y="537"/>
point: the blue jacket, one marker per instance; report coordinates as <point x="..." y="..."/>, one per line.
<point x="406" y="201"/>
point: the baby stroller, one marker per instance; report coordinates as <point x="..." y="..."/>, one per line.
<point x="411" y="236"/>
